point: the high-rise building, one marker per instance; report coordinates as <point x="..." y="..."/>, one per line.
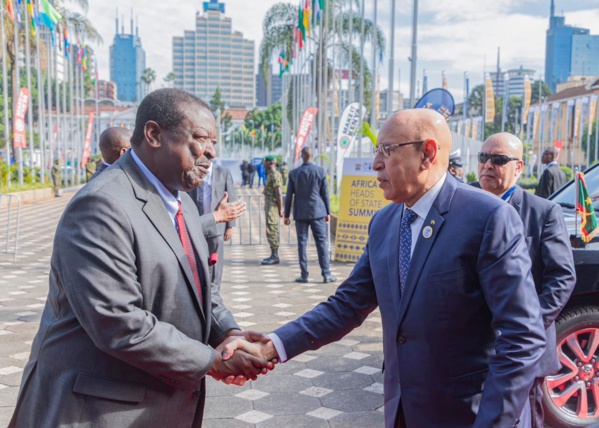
<point x="515" y="81"/>
<point x="127" y="63"/>
<point x="107" y="89"/>
<point x="569" y="51"/>
<point x="215" y="56"/>
<point x="268" y="95"/>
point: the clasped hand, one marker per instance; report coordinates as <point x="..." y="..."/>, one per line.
<point x="242" y="356"/>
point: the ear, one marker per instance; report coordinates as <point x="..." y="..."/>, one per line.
<point x="430" y="150"/>
<point x="519" y="166"/>
<point x="153" y="132"/>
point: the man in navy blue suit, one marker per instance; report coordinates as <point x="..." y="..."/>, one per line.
<point x="499" y="166"/>
<point x="308" y="183"/>
<point x="448" y="267"/>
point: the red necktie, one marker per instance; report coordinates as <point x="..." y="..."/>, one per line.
<point x="188" y="248"/>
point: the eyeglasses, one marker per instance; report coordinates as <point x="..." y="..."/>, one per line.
<point x="498" y="160"/>
<point x="385" y="149"/>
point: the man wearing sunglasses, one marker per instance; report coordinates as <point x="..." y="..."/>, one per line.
<point x="499" y="166"/>
<point x="448" y="268"/>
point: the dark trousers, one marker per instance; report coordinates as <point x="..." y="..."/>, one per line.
<point x="216" y="244"/>
<point x="319" y="231"/>
<point x="536" y="403"/>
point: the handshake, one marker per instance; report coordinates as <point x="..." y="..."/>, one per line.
<point x="242" y="356"/>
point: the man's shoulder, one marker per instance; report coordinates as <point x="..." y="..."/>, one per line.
<point x="537" y="203"/>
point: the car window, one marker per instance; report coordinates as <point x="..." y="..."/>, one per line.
<point x="568" y="194"/>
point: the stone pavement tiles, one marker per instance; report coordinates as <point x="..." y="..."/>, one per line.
<point x="339" y="385"/>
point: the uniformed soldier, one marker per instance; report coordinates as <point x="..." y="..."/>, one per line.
<point x="284" y="172"/>
<point x="56" y="174"/>
<point x="456" y="165"/>
<point x="273" y="204"/>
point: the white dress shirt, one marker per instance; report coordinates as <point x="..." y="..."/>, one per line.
<point x="207" y="192"/>
<point x="171" y="201"/>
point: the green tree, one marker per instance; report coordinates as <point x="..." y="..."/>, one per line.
<point x="266" y="124"/>
<point x="148" y="76"/>
<point x="169" y="79"/>
<point x="545" y="91"/>
<point x="216" y="104"/>
<point x="278" y="36"/>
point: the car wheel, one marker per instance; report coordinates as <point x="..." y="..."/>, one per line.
<point x="571" y="398"/>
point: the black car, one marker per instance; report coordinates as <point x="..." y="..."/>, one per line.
<point x="572" y="396"/>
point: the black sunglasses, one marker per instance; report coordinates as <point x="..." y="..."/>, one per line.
<point x="499" y="160"/>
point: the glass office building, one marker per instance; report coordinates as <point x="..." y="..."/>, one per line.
<point x="127" y="63"/>
<point x="215" y="56"/>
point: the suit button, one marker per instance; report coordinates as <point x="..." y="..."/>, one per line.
<point x="401" y="340"/>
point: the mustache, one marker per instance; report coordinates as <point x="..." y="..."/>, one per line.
<point x="203" y="161"/>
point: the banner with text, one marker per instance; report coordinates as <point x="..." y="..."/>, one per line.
<point x="359" y="200"/>
<point x="88" y="140"/>
<point x="20" y="134"/>
<point x="305" y="126"/>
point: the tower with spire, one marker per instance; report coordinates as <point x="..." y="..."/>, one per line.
<point x="127" y="61"/>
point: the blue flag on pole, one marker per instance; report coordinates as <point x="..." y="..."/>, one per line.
<point x="439" y="100"/>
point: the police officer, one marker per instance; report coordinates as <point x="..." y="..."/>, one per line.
<point x="456" y="166"/>
<point x="273" y="204"/>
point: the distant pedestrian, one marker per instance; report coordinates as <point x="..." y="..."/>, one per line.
<point x="114" y="142"/>
<point x="273" y="204"/>
<point x="261" y="170"/>
<point x="284" y="170"/>
<point x="251" y="173"/>
<point x="308" y="184"/>
<point x="245" y="175"/>
<point x="553" y="178"/>
<point x="56" y="174"/>
<point x="90" y="169"/>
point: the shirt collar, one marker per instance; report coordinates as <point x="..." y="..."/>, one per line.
<point x="208" y="179"/>
<point x="424" y="204"/>
<point x="106" y="163"/>
<point x="171" y="202"/>
<point x="551" y="163"/>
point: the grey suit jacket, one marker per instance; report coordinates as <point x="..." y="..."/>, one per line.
<point x="222" y="182"/>
<point x="551" y="180"/>
<point x="98" y="171"/>
<point x="552" y="264"/>
<point x="463" y="340"/>
<point x="124" y="339"/>
<point x="308" y="183"/>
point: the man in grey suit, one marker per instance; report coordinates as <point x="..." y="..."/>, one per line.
<point x="499" y="167"/>
<point x="448" y="268"/>
<point x="308" y="184"/>
<point x="114" y="142"/>
<point x="218" y="208"/>
<point x="131" y="322"/>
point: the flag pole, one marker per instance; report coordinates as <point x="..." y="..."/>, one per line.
<point x="41" y="119"/>
<point x="17" y="86"/>
<point x="373" y="118"/>
<point x="28" y="66"/>
<point x="577" y="190"/>
<point x="5" y="98"/>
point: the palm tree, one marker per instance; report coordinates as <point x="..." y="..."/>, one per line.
<point x="169" y="79"/>
<point x="279" y="25"/>
<point x="148" y="76"/>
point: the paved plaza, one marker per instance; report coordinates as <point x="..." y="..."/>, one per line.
<point x="339" y="385"/>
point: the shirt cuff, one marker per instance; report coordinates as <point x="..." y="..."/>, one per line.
<point x="278" y="343"/>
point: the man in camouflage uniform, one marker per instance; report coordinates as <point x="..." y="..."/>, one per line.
<point x="56" y="174"/>
<point x="284" y="172"/>
<point x="273" y="204"/>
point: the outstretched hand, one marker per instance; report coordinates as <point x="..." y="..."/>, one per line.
<point x="228" y="211"/>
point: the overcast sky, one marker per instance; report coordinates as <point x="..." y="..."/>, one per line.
<point x="454" y="35"/>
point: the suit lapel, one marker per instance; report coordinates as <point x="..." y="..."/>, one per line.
<point x="393" y="255"/>
<point x="156" y="212"/>
<point x="423" y="247"/>
<point x="215" y="184"/>
<point x="516" y="199"/>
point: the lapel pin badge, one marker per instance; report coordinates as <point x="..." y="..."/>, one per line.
<point x="427" y="232"/>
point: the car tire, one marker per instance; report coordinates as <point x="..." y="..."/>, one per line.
<point x="577" y="383"/>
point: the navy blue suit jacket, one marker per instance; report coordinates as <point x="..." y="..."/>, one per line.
<point x="552" y="264"/>
<point x="466" y="336"/>
<point x="308" y="183"/>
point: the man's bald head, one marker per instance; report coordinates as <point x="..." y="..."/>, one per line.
<point x="418" y="142"/>
<point x="493" y="176"/>
<point x="113" y="143"/>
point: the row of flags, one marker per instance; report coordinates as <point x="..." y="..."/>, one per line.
<point x="308" y="16"/>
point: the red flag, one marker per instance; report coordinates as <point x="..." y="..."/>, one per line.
<point x="305" y="126"/>
<point x="11" y="12"/>
<point x="88" y="140"/>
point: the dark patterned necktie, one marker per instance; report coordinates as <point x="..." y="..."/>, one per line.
<point x="188" y="248"/>
<point x="405" y="245"/>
